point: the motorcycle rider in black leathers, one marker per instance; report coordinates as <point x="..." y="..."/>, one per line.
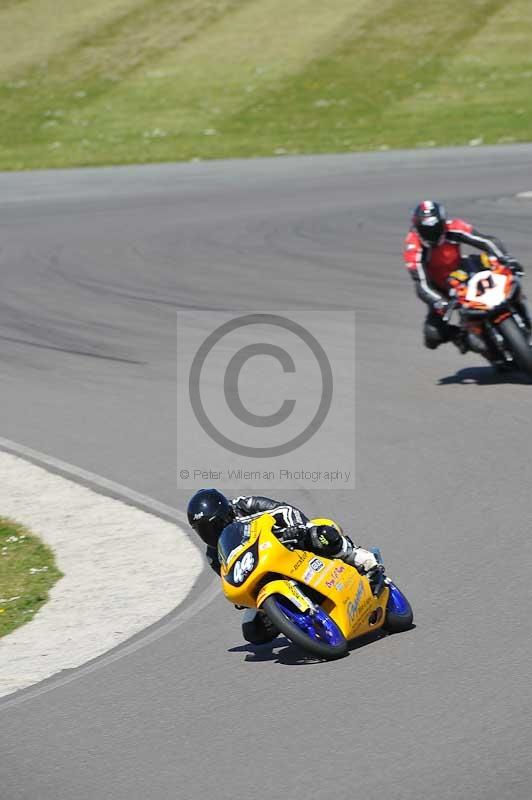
<point x="209" y="512"/>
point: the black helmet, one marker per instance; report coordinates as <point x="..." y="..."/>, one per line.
<point x="429" y="221"/>
<point x="208" y="513"/>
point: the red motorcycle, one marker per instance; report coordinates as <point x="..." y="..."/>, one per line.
<point x="488" y="302"/>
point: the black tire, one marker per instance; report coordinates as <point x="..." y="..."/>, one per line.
<point x="399" y="621"/>
<point x="322" y="650"/>
<point x="517" y="344"/>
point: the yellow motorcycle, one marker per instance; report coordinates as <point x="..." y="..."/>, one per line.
<point x="320" y="604"/>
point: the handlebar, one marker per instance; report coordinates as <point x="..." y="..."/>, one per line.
<point x="291" y="536"/>
<point x="289" y="542"/>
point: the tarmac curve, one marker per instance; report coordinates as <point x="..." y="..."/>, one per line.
<point x="94" y="265"/>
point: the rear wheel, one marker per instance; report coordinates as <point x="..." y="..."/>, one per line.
<point x="517" y="344"/>
<point x="399" y="614"/>
<point x="316" y="633"/>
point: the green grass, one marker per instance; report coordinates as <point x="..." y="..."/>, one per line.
<point x="121" y="81"/>
<point x="27" y="572"/>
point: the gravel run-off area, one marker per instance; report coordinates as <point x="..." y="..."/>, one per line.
<point x="123" y="570"/>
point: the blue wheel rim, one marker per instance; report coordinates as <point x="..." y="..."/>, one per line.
<point x="318" y="626"/>
<point x="397" y="602"/>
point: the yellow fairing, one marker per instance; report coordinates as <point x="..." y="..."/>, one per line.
<point x="288" y="589"/>
<point x="271" y="568"/>
<point x="356" y="610"/>
<point x="270" y="557"/>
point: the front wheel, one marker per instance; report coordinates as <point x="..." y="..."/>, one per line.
<point x="399" y="614"/>
<point x="517" y="344"/>
<point x="316" y="633"/>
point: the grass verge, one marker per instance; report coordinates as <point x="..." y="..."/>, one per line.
<point x="27" y="572"/>
<point x="123" y="81"/>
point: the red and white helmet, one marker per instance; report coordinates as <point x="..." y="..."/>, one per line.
<point x="429" y="221"/>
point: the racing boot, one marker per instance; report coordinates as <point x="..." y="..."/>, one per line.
<point x="257" y="628"/>
<point x="367" y="564"/>
<point x="478" y="345"/>
<point x="459" y="339"/>
<point x="377" y="579"/>
<point x="327" y="540"/>
<point x="363" y="560"/>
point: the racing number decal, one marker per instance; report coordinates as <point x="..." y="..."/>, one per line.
<point x="484" y="284"/>
<point x="487" y="287"/>
<point x="243" y="567"/>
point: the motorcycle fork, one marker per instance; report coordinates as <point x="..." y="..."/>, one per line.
<point x="496" y="340"/>
<point x="522" y="325"/>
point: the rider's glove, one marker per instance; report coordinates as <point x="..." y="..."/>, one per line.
<point x="513" y="264"/>
<point x="440" y="306"/>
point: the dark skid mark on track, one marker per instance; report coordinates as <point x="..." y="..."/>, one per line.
<point x="99" y="288"/>
<point x="70" y="352"/>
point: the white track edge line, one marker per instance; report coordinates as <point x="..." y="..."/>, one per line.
<point x="139" y="640"/>
<point x="70" y="470"/>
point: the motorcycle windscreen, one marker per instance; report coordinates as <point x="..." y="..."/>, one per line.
<point x="232" y="538"/>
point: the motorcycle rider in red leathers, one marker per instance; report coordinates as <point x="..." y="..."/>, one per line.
<point x="431" y="253"/>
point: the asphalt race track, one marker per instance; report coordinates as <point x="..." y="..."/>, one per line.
<point x="94" y="265"/>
